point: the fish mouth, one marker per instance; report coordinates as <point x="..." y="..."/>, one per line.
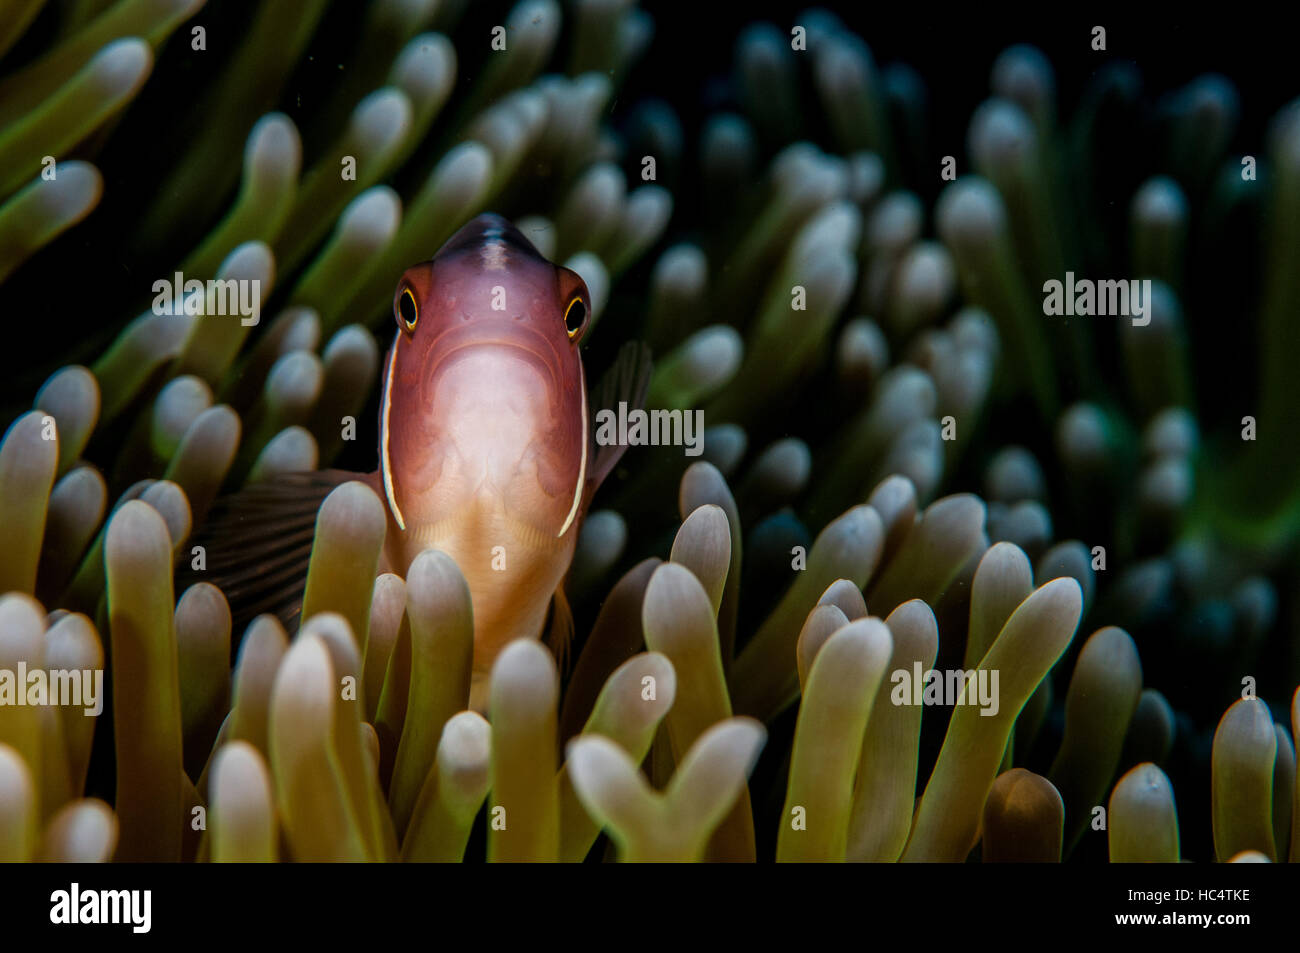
<point x="540" y="350"/>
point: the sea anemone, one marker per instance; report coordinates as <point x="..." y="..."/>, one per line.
<point x="754" y="657"/>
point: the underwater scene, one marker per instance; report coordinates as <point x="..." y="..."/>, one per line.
<point x="458" y="431"/>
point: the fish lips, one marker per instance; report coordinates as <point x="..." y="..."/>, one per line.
<point x="556" y="364"/>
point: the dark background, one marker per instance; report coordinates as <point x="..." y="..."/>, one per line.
<point x="953" y="47"/>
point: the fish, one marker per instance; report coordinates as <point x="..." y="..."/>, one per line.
<point x="486" y="447"/>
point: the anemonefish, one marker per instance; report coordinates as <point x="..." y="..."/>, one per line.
<point x="486" y="435"/>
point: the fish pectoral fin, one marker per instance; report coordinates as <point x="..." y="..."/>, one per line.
<point x="626" y="381"/>
<point x="560" y="637"/>
<point x="257" y="544"/>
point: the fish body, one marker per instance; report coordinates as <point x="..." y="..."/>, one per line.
<point x="484" y="446"/>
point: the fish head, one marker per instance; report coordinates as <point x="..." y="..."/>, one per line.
<point x="484" y="401"/>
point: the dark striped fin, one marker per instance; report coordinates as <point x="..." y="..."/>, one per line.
<point x="257" y="544"/>
<point x="627" y="380"/>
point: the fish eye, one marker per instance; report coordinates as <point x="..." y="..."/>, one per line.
<point x="407" y="310"/>
<point x="575" y="318"/>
